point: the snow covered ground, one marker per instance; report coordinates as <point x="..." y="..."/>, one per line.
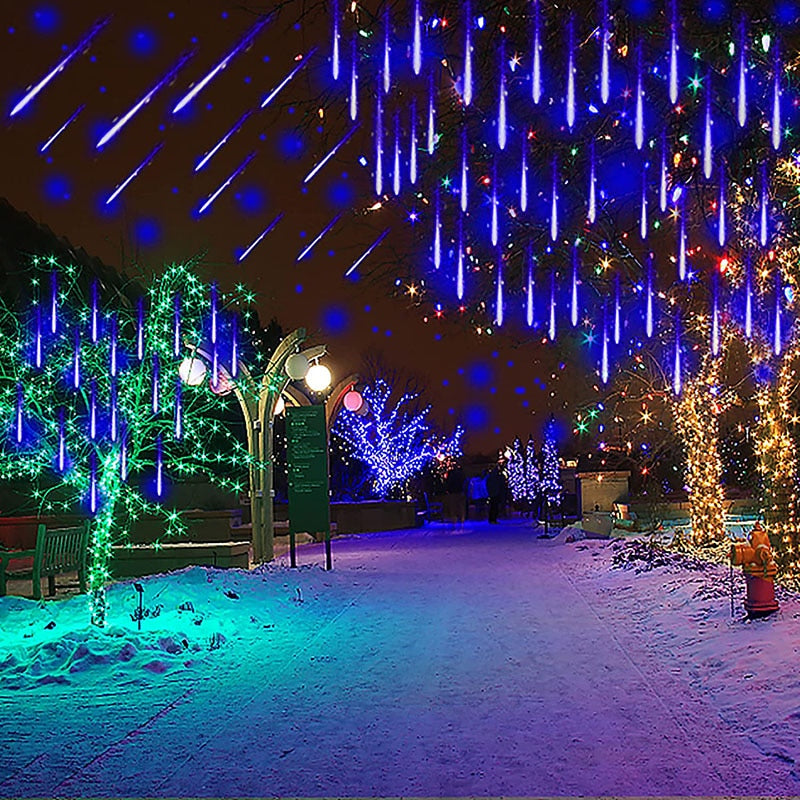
<point x="441" y="661"/>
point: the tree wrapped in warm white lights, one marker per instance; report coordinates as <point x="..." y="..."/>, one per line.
<point x="515" y="471"/>
<point x="395" y="440"/>
<point x="94" y="414"/>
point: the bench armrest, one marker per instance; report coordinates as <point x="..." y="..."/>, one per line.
<point x="13" y="555"/>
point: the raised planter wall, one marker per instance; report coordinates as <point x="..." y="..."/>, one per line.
<point x="373" y="516"/>
<point x="682" y="509"/>
<point x="203" y="526"/>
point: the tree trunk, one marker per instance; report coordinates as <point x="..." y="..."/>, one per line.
<point x="777" y="456"/>
<point x="698" y="426"/>
<point x="102" y="539"/>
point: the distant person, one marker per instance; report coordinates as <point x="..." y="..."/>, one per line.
<point x="478" y="494"/>
<point x="456" y="497"/>
<point x="495" y="489"/>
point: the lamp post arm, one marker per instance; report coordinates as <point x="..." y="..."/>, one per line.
<point x="287" y="347"/>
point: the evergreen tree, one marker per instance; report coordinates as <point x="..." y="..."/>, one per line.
<point x="515" y="471"/>
<point x="532" y="479"/>
<point x="551" y="477"/>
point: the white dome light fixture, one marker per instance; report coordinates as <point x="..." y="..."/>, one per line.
<point x="192" y="371"/>
<point x="296" y="366"/>
<point x="318" y="378"/>
<point x="280" y="407"/>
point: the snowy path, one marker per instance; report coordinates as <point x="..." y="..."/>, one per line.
<point x="436" y="662"/>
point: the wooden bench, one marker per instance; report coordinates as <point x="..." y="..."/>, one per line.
<point x="58" y="550"/>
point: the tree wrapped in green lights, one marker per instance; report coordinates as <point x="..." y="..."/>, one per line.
<point x="94" y="413"/>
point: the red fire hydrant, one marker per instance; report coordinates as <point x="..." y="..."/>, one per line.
<point x="755" y="557"/>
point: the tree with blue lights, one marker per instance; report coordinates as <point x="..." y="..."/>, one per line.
<point x="532" y="480"/>
<point x="394" y="439"/>
<point x="95" y="416"/>
<point x="551" y="470"/>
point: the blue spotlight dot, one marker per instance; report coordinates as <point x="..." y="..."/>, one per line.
<point x="520" y="390"/>
<point x="262" y="137"/>
<point x="224" y="15"/>
<point x="510" y="364"/>
<point x="437" y="337"/>
<point x="302" y="234"/>
<point x="335" y="320"/>
<point x="476" y="417"/>
<point x="319" y="129"/>
<point x="102" y="90"/>
<point x="291" y="145"/>
<point x="148" y="232"/>
<point x="247" y="79"/>
<point x="375" y="329"/>
<point x="716" y="9"/>
<point x="367" y="309"/>
<point x="497" y="430"/>
<point x="142" y="43"/>
<point x="787" y="12"/>
<point x="331" y="252"/>
<point x="251" y="199"/>
<point x="388" y="333"/>
<point x="290" y="110"/>
<point x="265" y="59"/>
<point x="445" y="382"/>
<point x="174" y="190"/>
<point x="171" y="15"/>
<point x="525" y="403"/>
<point x="58" y="189"/>
<point x="209" y="106"/>
<point x="480" y="375"/>
<point x="299" y="288"/>
<point x="92" y="59"/>
<point x="162" y="127"/>
<point x="11" y="30"/>
<point x="340" y="195"/>
<point x="46" y="19"/>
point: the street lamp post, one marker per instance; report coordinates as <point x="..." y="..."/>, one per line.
<point x="257" y="400"/>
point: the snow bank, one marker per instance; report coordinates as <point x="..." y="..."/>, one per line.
<point x="186" y="618"/>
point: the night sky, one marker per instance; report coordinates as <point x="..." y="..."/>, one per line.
<point x="498" y="386"/>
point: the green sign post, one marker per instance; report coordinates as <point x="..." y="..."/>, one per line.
<point x="307" y="457"/>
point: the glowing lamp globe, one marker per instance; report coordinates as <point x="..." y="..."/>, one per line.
<point x="353" y="401"/>
<point x="192" y="371"/>
<point x="318" y="378"/>
<point x="296" y="366"/>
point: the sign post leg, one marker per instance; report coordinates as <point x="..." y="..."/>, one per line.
<point x="292" y="551"/>
<point x="328" y="557"/>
